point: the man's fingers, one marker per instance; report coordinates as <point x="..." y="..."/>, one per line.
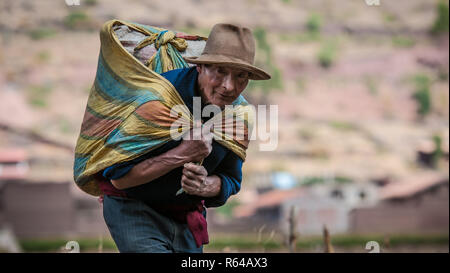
<point x="190" y="166"/>
<point x="189" y="185"/>
<point x="191" y="175"/>
<point x="189" y="181"/>
<point x="196" y="169"/>
<point x="188" y="189"/>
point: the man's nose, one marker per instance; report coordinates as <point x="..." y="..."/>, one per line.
<point x="228" y="83"/>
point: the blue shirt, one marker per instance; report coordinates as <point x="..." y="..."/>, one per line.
<point x="221" y="161"/>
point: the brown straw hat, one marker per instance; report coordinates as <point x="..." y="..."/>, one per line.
<point x="231" y="45"/>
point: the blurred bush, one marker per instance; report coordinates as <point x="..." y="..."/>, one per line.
<point x="315" y="180"/>
<point x="76" y="19"/>
<point x="38" y="95"/>
<point x="41" y="33"/>
<point x="90" y="2"/>
<point x="441" y="22"/>
<point x="437" y="153"/>
<point x="403" y="41"/>
<point x="265" y="60"/>
<point x="227" y="209"/>
<point x="422" y="94"/>
<point x="327" y="54"/>
<point x="43" y="57"/>
<point x="371" y="84"/>
<point x="314" y="23"/>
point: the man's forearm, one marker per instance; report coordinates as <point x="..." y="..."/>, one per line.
<point x="151" y="169"/>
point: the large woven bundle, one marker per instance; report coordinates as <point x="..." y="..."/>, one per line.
<point x="128" y="112"/>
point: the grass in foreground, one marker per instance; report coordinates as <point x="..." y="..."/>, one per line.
<point x="251" y="242"/>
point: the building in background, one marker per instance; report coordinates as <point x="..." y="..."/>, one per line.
<point x="38" y="201"/>
<point x="418" y="204"/>
<point x="13" y="164"/>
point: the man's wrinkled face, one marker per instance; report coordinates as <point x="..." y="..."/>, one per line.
<point x="221" y="85"/>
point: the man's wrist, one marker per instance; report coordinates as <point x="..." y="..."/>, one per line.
<point x="179" y="157"/>
<point x="175" y="157"/>
<point x="214" y="183"/>
<point x="170" y="160"/>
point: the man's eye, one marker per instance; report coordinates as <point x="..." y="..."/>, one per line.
<point x="243" y="75"/>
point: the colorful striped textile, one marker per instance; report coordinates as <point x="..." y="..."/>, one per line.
<point x="128" y="112"/>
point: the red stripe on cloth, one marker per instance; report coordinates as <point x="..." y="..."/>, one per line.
<point x="97" y="127"/>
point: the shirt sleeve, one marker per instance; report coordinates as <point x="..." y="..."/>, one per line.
<point x="119" y="170"/>
<point x="230" y="173"/>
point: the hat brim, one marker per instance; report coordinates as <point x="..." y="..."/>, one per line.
<point x="255" y="72"/>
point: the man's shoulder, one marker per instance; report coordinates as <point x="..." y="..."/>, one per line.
<point x="180" y="74"/>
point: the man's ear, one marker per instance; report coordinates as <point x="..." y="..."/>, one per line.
<point x="199" y="68"/>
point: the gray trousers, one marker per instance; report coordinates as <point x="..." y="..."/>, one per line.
<point x="136" y="227"/>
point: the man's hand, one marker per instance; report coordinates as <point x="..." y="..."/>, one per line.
<point x="197" y="144"/>
<point x="195" y="181"/>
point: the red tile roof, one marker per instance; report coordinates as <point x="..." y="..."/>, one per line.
<point x="13" y="155"/>
<point x="412" y="185"/>
<point x="268" y="199"/>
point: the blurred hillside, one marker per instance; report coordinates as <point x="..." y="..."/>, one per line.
<point x="363" y="101"/>
<point x="345" y="75"/>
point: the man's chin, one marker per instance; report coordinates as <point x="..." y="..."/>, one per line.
<point x="220" y="104"/>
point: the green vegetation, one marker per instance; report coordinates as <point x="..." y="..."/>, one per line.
<point x="43" y="56"/>
<point x="90" y="2"/>
<point x="394" y="240"/>
<point x="65" y="126"/>
<point x="371" y="84"/>
<point x="76" y="19"/>
<point x="314" y="24"/>
<point x="251" y="242"/>
<point x="327" y="54"/>
<point x="437" y="153"/>
<point x="248" y="242"/>
<point x="227" y="209"/>
<point x="38" y="94"/>
<point x="403" y="41"/>
<point x="422" y="94"/>
<point x="342" y="125"/>
<point x="41" y="33"/>
<point x="314" y="180"/>
<point x="389" y="17"/>
<point x="58" y="245"/>
<point x="265" y="60"/>
<point x="242" y="243"/>
<point x="441" y="23"/>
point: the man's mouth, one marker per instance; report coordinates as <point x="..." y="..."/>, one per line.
<point x="225" y="97"/>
